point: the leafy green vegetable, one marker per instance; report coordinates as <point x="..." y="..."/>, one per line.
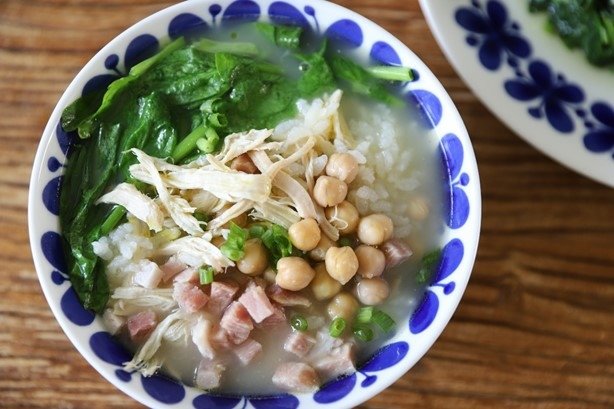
<point x="585" y="24"/>
<point x="386" y="72"/>
<point x="234" y="247"/>
<point x="317" y="76"/>
<point x="360" y="80"/>
<point x="282" y="36"/>
<point x="430" y="261"/>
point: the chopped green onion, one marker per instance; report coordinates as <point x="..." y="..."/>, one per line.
<point x="233" y="248"/>
<point x="368" y="315"/>
<point x="383" y="320"/>
<point x="363" y="333"/>
<point x="429" y="263"/>
<point x="386" y="72"/>
<point x="336" y="327"/>
<point x="299" y="323"/>
<point x="364" y="316"/>
<point x="206" y="275"/>
<point x="209" y="142"/>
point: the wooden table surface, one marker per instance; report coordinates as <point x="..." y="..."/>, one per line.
<point x="535" y="328"/>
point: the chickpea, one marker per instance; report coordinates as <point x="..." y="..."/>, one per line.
<point x="305" y="235"/>
<point x="344" y="217"/>
<point x="323" y="285"/>
<point x="372" y="291"/>
<point x="269" y="275"/>
<point x="293" y="273"/>
<point x="255" y="261"/>
<point x="344" y="305"/>
<point x="319" y="252"/>
<point x="341" y="263"/>
<point x="343" y="166"/>
<point x="329" y="191"/>
<point x="243" y="163"/>
<point x="240" y="220"/>
<point x="375" y="229"/>
<point x="371" y="261"/>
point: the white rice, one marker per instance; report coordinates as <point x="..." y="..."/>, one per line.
<point x="385" y="179"/>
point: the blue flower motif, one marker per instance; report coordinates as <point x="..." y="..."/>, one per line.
<point x="552" y="91"/>
<point x="493" y="33"/>
<point x="601" y="138"/>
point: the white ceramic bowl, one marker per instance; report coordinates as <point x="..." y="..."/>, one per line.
<point x="461" y="221"/>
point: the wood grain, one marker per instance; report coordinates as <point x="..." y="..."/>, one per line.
<point x="534" y="330"/>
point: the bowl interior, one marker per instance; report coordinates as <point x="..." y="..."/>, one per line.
<point x="462" y="211"/>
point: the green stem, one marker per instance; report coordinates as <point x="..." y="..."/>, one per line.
<point x="385" y="72"/>
<point x="211" y="46"/>
<point x="111" y="221"/>
<point x="188" y="144"/>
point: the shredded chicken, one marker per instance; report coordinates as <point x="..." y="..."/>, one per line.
<point x="196" y="252"/>
<point x="139" y="205"/>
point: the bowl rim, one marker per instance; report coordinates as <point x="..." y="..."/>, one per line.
<point x="470" y="236"/>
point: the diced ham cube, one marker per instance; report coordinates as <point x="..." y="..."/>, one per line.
<point x="396" y="252"/>
<point x="287" y="298"/>
<point x="171" y="268"/>
<point x="256" y="302"/>
<point x="299" y="343"/>
<point x="209" y="374"/>
<point x="141" y="324"/>
<point x="220" y="338"/>
<point x="277" y="318"/>
<point x="237" y="323"/>
<point x="247" y="351"/>
<point x="148" y="274"/>
<point x="296" y="377"/>
<point x="201" y="336"/>
<point x="339" y="361"/>
<point x="189" y="297"/>
<point x="113" y="323"/>
<point x="189" y="275"/>
<point x="221" y="296"/>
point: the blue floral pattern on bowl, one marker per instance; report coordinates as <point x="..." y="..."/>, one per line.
<point x="109" y="354"/>
<point x="548" y="93"/>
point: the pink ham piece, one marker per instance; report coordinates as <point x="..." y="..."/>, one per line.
<point x="339" y="361"/>
<point x="209" y="374"/>
<point x="189" y="297"/>
<point x="396" y="252"/>
<point x="189" y="275"/>
<point x="220" y="338"/>
<point x="141" y="324"/>
<point x="296" y="377"/>
<point x="201" y="336"/>
<point x="299" y="343"/>
<point x="171" y="268"/>
<point x="256" y="302"/>
<point x="277" y="318"/>
<point x="237" y="323"/>
<point x="247" y="351"/>
<point x="221" y="296"/>
<point x="287" y="298"/>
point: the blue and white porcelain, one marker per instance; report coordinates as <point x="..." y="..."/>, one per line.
<point x="548" y="94"/>
<point x="461" y="221"/>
